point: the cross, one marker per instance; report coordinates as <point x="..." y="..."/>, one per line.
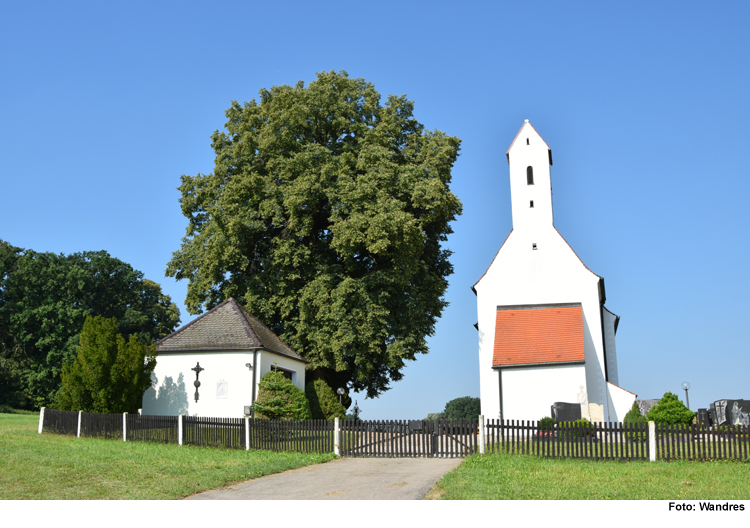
<point x="198" y="369"/>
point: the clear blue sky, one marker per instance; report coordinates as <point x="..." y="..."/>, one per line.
<point x="645" y="106"/>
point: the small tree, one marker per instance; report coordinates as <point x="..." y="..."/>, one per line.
<point x="280" y="399"/>
<point x="109" y="374"/>
<point x="634" y="416"/>
<point x="466" y="407"/>
<point x="671" y="410"/>
<point x="324" y="403"/>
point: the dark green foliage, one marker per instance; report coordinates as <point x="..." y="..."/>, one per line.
<point x="670" y="410"/>
<point x="576" y="429"/>
<point x="324" y="402"/>
<point x="280" y="399"/>
<point x="325" y="216"/>
<point x="45" y="299"/>
<point x="634" y="416"/>
<point x="466" y="407"/>
<point x="546" y="423"/>
<point x="109" y="374"/>
<point x="434" y="416"/>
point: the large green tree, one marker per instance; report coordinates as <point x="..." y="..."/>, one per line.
<point x="325" y="214"/>
<point x="44" y="301"/>
<point x="109" y="374"/>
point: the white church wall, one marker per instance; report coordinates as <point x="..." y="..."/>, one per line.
<point x="528" y="393"/>
<point x="226" y="384"/>
<point x="268" y="360"/>
<point x="620" y="402"/>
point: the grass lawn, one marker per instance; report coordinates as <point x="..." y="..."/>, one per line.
<point x="50" y="466"/>
<point x="514" y="477"/>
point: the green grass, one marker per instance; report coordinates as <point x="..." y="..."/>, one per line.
<point x="50" y="466"/>
<point x="514" y="477"/>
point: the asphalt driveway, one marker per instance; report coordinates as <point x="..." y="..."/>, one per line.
<point x="344" y="479"/>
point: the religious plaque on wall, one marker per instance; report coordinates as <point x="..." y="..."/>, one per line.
<point x="222" y="389"/>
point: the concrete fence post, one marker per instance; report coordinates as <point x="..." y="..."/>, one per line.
<point x="336" y="436"/>
<point x="652" y="441"/>
<point x="481" y="434"/>
<point x="41" y="419"/>
<point x="124" y="427"/>
<point x="78" y="434"/>
<point x="247" y="433"/>
<point x="179" y="429"/>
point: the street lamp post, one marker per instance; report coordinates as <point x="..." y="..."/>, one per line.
<point x="686" y="387"/>
<point x="340" y="392"/>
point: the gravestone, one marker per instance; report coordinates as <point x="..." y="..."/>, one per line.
<point x="645" y="405"/>
<point x="730" y="412"/>
<point x="566" y="412"/>
<point x="596" y="412"/>
<point x="703" y="418"/>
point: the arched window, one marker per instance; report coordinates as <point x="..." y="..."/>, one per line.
<point x="529" y="175"/>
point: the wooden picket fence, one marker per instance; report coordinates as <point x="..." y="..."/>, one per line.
<point x="416" y="438"/>
<point x="597" y="441"/>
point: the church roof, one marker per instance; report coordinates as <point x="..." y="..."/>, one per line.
<point x="228" y="326"/>
<point x="535" y="335"/>
<point x="507" y="152"/>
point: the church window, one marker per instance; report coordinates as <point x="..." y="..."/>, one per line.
<point x="533" y="246"/>
<point x="529" y="175"/>
<point x="531" y="204"/>
<point x="527" y="141"/>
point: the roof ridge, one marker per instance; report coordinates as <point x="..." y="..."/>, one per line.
<point x="491" y="263"/>
<point x="243" y="313"/>
<point x="191" y="323"/>
<point x="574" y="252"/>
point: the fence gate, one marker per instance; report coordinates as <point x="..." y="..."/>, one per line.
<point x="408" y="438"/>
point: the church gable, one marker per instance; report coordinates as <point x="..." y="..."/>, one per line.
<point x="538" y="335"/>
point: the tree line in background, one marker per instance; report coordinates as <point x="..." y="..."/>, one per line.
<point x="45" y="300"/>
<point x="466" y="408"/>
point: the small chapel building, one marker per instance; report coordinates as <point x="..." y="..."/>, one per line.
<point x="227" y="351"/>
<point x="545" y="335"/>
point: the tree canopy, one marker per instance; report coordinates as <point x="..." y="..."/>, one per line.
<point x="326" y="213"/>
<point x="45" y="299"/>
<point x="109" y="374"/>
<point x="466" y="408"/>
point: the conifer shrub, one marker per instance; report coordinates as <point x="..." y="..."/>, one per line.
<point x="670" y="410"/>
<point x="634" y="416"/>
<point x="324" y="402"/>
<point x="280" y="399"/>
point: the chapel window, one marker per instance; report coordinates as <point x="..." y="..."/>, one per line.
<point x="529" y="175"/>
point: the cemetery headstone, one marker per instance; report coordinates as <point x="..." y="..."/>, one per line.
<point x="566" y="412"/>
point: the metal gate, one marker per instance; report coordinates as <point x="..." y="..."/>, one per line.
<point x="408" y="438"/>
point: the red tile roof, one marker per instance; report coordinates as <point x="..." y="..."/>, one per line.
<point x="535" y="335"/>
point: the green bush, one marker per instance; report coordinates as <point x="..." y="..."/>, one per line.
<point x="280" y="398"/>
<point x="572" y="430"/>
<point x="324" y="403"/>
<point x="546" y="423"/>
<point x="634" y="416"/>
<point x="670" y="410"/>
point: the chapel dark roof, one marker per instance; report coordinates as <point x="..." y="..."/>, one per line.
<point x="227" y="326"/>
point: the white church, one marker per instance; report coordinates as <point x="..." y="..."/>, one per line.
<point x="545" y="335"/>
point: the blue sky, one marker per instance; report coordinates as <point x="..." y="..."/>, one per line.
<point x="644" y="105"/>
